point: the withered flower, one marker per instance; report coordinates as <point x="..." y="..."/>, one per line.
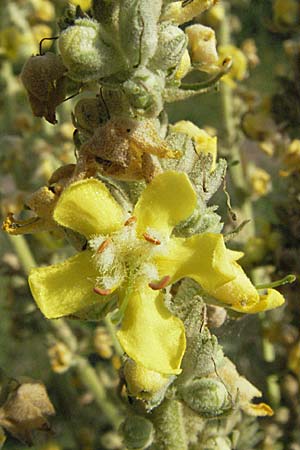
<point x="123" y="148"/>
<point x="44" y="79"/>
<point x="25" y="410"/>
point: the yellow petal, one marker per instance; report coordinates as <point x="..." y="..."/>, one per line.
<point x="88" y="207"/>
<point x="204" y="143"/>
<point x="258" y="410"/>
<point x="166" y="201"/>
<point x="202" y="257"/>
<point x="273" y="299"/>
<point x="239" y="293"/>
<point x="65" y="288"/>
<point x="150" y="334"/>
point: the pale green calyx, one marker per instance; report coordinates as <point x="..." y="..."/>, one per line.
<point x="137" y="432"/>
<point x="171" y="44"/>
<point x="144" y="92"/>
<point x="85" y="54"/>
<point x="138" y="29"/>
<point x="207" y="396"/>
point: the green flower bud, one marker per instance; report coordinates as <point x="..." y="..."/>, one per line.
<point x="171" y="45"/>
<point x="137" y="432"/>
<point x="207" y="396"/>
<point x="85" y="53"/>
<point x="138" y="29"/>
<point x="144" y="92"/>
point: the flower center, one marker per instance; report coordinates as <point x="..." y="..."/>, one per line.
<point x="124" y="257"/>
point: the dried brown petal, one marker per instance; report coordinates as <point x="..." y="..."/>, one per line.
<point x="25" y="410"/>
<point x="44" y="79"/>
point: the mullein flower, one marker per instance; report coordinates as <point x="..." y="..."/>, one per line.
<point x="242" y="390"/>
<point x="202" y="46"/>
<point x="183" y="11"/>
<point x="135" y="258"/>
<point x="238" y="71"/>
<point x="260" y="182"/>
<point x="204" y="143"/>
<point x="291" y="159"/>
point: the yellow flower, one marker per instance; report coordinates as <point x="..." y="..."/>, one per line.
<point x="134" y="260"/>
<point x="291" y="159"/>
<point x="202" y="46"/>
<point x="185" y="10"/>
<point x="239" y="67"/>
<point x="143" y="383"/>
<point x="242" y="390"/>
<point x="84" y="4"/>
<point x="260" y="181"/>
<point x="203" y="141"/>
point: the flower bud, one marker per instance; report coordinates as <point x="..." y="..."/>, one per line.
<point x="138" y="29"/>
<point x="207" y="396"/>
<point x="202" y="46"/>
<point x="144" y="92"/>
<point x="143" y="383"/>
<point x="85" y="54"/>
<point x="171" y="45"/>
<point x="137" y="432"/>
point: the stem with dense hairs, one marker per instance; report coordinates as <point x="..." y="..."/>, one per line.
<point x="85" y="371"/>
<point x="169" y="427"/>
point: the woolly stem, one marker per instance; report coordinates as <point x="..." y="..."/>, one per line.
<point x="169" y="427"/>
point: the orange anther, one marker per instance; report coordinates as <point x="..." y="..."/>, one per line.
<point x="103" y="245"/>
<point x="161" y="284"/>
<point x="151" y="239"/>
<point x="100" y="291"/>
<point x="131" y="220"/>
